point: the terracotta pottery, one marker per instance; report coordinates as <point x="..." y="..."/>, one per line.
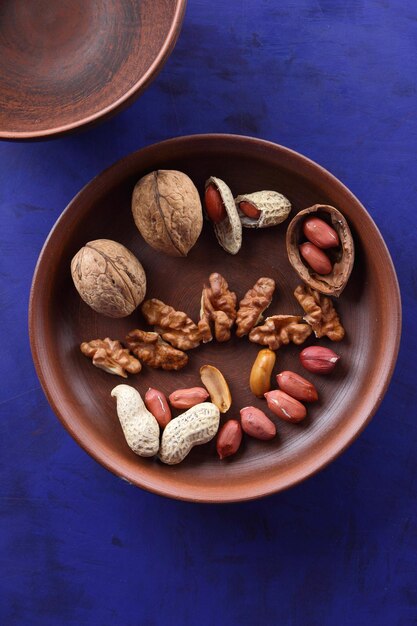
<point x="65" y="64"/>
<point x="369" y="307"/>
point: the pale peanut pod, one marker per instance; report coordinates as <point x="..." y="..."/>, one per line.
<point x="285" y="407"/>
<point x="186" y="398"/>
<point x="296" y="386"/>
<point x="316" y="258"/>
<point x="320" y="233"/>
<point x="229" y="439"/>
<point x="140" y="427"/>
<point x="229" y="229"/>
<point x="196" y="426"/>
<point x="157" y="404"/>
<point x="268" y="208"/>
<point x="260" y="375"/>
<point x="256" y="424"/>
<point x="318" y="359"/>
<point x="216" y="385"/>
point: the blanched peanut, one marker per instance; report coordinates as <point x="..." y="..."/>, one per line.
<point x="216" y="384"/>
<point x="157" y="404"/>
<point x="260" y="376"/>
<point x="186" y="398"/>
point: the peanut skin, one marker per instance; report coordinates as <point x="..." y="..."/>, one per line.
<point x="256" y="424"/>
<point x="318" y="359"/>
<point x="320" y="233"/>
<point x="229" y="439"/>
<point x="285" y="407"/>
<point x="186" y="398"/>
<point x="249" y="210"/>
<point x="316" y="258"/>
<point x="260" y="376"/>
<point x="297" y="387"/>
<point x="214" y="205"/>
<point x="157" y="404"/>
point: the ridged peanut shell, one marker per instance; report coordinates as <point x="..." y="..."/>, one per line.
<point x="229" y="230"/>
<point x="342" y="257"/>
<point x="167" y="211"/>
<point x="108" y="277"/>
<point x="274" y="208"/>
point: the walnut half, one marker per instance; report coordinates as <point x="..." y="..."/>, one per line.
<point x="218" y="305"/>
<point x="173" y="326"/>
<point x="155" y="352"/>
<point x="279" y="330"/>
<point x="321" y="314"/>
<point x="253" y="304"/>
<point x="110" y="356"/>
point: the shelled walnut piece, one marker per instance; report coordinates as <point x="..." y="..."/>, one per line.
<point x="321" y="314"/>
<point x="173" y="326"/>
<point x="279" y="330"/>
<point x="253" y="304"/>
<point x="155" y="352"/>
<point x="110" y="356"/>
<point x="218" y="305"/>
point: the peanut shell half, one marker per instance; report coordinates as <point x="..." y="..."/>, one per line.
<point x="229" y="230"/>
<point x="342" y="257"/>
<point x="274" y="208"/>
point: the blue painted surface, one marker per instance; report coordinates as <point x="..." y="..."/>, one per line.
<point x="336" y="81"/>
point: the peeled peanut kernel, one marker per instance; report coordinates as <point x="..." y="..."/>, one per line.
<point x="320" y="233"/>
<point x="260" y="376"/>
<point x="318" y="359"/>
<point x="256" y="424"/>
<point x="229" y="439"/>
<point x="316" y="258"/>
<point x="186" y="398"/>
<point x="214" y="205"/>
<point x="157" y="404"/>
<point x="249" y="210"/>
<point x="216" y="385"/>
<point x="285" y="407"/>
<point x="297" y="387"/>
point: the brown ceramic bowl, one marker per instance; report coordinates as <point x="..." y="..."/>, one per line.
<point x="80" y="394"/>
<point x="65" y="64"/>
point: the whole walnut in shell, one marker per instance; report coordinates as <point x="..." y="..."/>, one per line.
<point x="108" y="277"/>
<point x="167" y="211"/>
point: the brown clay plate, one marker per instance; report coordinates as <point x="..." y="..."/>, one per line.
<point x="80" y="394"/>
<point x="68" y="63"/>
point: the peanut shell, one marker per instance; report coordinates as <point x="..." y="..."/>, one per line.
<point x="229" y="230"/>
<point x="274" y="208"/>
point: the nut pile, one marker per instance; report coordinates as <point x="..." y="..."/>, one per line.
<point x="168" y="213"/>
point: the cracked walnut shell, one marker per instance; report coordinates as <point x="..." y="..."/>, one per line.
<point x="110" y="356"/>
<point x="152" y="350"/>
<point x="108" y="277"/>
<point x="173" y="326"/>
<point x="167" y="211"/>
<point x="253" y="304"/>
<point x="218" y="305"/>
<point x="279" y="330"/>
<point x="321" y="314"/>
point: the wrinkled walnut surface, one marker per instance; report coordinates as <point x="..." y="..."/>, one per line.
<point x="174" y="326"/>
<point x="342" y="258"/>
<point x="218" y="305"/>
<point x="108" y="277"/>
<point x="321" y="314"/>
<point x="152" y="350"/>
<point x="253" y="304"/>
<point x="110" y="356"/>
<point x="167" y="211"/>
<point x="279" y="330"/>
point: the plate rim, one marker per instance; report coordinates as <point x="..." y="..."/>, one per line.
<point x="267" y="487"/>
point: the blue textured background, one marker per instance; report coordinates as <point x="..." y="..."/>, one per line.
<point x="336" y="81"/>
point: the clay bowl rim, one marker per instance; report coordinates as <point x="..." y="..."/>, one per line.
<point x="266" y="485"/>
<point x="122" y="102"/>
